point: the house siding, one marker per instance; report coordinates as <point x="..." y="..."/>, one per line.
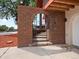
<point x="72" y="16"/>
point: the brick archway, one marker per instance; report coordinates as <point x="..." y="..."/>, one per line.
<point x="56" y="25"/>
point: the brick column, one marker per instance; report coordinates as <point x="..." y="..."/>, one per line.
<point x="24" y="27"/>
<point x="25" y="18"/>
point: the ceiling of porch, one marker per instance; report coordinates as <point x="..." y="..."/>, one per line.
<point x="61" y="5"/>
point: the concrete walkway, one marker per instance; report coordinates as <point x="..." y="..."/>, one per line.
<point x="8" y="33"/>
<point x="43" y="52"/>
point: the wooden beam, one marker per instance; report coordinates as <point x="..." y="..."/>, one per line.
<point x="57" y="8"/>
<point x="61" y="5"/>
<point x="48" y="3"/>
<point x="70" y="2"/>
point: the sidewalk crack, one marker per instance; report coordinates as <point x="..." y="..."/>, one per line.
<point x="4" y="52"/>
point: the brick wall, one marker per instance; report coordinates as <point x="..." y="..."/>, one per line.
<point x="8" y="40"/>
<point x="56" y="29"/>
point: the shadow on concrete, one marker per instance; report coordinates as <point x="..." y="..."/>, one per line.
<point x="75" y="50"/>
<point x="44" y="51"/>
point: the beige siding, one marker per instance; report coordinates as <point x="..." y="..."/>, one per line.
<point x="71" y="15"/>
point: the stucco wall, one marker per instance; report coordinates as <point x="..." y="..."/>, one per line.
<point x="71" y="30"/>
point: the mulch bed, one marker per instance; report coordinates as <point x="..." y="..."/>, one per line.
<point x="8" y="40"/>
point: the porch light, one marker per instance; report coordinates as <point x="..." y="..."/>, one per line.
<point x="21" y="2"/>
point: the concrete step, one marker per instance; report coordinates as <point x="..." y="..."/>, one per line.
<point x="40" y="36"/>
<point x="40" y="40"/>
<point x="41" y="43"/>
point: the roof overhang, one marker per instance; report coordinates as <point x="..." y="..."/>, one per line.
<point x="60" y="5"/>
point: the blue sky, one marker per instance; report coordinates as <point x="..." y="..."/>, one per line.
<point x="8" y="23"/>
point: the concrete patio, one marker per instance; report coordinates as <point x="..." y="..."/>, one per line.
<point x="42" y="52"/>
